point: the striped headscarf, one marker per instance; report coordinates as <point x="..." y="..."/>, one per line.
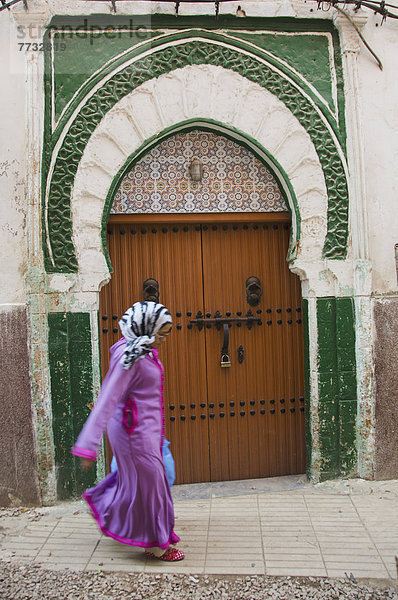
<point x="139" y="325"/>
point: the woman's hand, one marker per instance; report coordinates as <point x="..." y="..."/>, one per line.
<point x="86" y="464"/>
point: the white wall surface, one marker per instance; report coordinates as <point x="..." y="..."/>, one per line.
<point x="12" y="166"/>
<point x="379" y="111"/>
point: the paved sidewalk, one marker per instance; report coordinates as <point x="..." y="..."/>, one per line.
<point x="279" y="526"/>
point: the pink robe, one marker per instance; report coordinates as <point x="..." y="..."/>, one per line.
<point x="132" y="505"/>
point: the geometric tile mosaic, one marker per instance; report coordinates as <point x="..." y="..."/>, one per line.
<point x="234" y="179"/>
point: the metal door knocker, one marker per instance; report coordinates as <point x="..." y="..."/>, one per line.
<point x="151" y="290"/>
<point x="254" y="290"/>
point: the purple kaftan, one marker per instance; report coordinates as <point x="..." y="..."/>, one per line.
<point x="132" y="505"/>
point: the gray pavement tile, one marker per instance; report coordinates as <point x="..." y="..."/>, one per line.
<point x="231" y="570"/>
<point x="340" y="527"/>
<point x="352" y="543"/>
<point x="79" y="518"/>
<point x="301" y="562"/>
<point x="360" y="558"/>
<point x="270" y="526"/>
<point x="392" y="570"/>
<point x="233" y="557"/>
<point x="335" y="535"/>
<point x="289" y="541"/>
<point x="62" y="566"/>
<point x="113" y="554"/>
<point x="358" y="573"/>
<point x="75" y="536"/>
<point x="296" y="571"/>
<point x="279" y="553"/>
<point x="26" y="543"/>
<point x="22" y="539"/>
<point x="17" y="554"/>
<point x="76" y="562"/>
<point x="292" y="549"/>
<point x="77" y="545"/>
<point x="255" y="544"/>
<point x="70" y="530"/>
<point x="342" y="563"/>
<point x="187" y="536"/>
<point x="349" y="553"/>
<point x="28" y="558"/>
<point x="66" y="556"/>
<point x="175" y="568"/>
<point x="115" y="567"/>
<point x="287" y="520"/>
<point x="236" y="531"/>
<point x="38" y="533"/>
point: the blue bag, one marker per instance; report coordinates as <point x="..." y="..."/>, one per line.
<point x="168" y="461"/>
<point x="113" y="464"/>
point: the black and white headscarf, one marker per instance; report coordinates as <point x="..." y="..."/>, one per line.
<point x="139" y="325"/>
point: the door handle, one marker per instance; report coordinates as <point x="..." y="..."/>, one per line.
<point x="225" y="360"/>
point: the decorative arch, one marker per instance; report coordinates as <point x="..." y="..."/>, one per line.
<point x="214" y="127"/>
<point x="134" y="125"/>
<point x="140" y="75"/>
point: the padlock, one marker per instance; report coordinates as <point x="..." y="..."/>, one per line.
<point x="225" y="360"/>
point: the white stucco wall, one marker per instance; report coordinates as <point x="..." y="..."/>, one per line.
<point x="378" y="105"/>
<point x="13" y="256"/>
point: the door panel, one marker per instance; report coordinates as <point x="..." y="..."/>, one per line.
<point x="172" y="256"/>
<point x="257" y="427"/>
<point x="205" y="268"/>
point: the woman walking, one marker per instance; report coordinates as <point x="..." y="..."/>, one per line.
<point x="133" y="505"/>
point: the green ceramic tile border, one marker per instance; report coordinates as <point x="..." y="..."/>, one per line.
<point x="347" y="384"/>
<point x="70" y="359"/>
<point x="337" y="387"/>
<point x="307" y="389"/>
<point x="61" y="408"/>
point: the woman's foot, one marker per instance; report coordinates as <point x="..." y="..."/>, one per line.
<point x="171" y="555"/>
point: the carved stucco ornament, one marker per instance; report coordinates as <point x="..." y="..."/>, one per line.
<point x="58" y="248"/>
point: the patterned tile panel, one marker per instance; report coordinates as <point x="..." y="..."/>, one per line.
<point x="234" y="180"/>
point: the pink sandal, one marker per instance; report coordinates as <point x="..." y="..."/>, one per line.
<point x="171" y="555"/>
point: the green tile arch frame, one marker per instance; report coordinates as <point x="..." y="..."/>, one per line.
<point x="70" y="359"/>
<point x="337" y="386"/>
<point x="57" y="184"/>
<point x="338" y="127"/>
<point x="231" y="133"/>
<point x="229" y="24"/>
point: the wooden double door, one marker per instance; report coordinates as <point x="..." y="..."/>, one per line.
<point x="232" y="422"/>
